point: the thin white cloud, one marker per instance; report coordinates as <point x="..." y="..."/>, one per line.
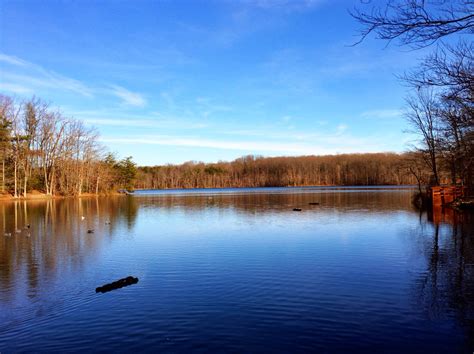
<point x="341" y="128"/>
<point x="35" y="76"/>
<point x="285" y="5"/>
<point x="9" y="59"/>
<point x="48" y="80"/>
<point x="25" y="77"/>
<point x="124" y="122"/>
<point x="323" y="145"/>
<point x="254" y="146"/>
<point x="128" y="97"/>
<point x="17" y="89"/>
<point x="118" y="118"/>
<point x="134" y="122"/>
<point x="382" y="113"/>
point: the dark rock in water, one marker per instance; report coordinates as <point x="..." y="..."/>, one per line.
<point x="297" y="209"/>
<point x="90" y="231"/>
<point x="314" y="203"/>
<point x="117" y="284"/>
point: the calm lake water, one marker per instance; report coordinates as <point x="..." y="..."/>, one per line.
<point x="237" y="271"/>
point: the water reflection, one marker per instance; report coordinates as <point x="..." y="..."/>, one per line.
<point x="446" y="289"/>
<point x="347" y="256"/>
<point x="41" y="237"/>
<point x="283" y="203"/>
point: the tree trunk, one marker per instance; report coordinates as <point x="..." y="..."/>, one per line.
<point x="3" y="175"/>
<point x="25" y="183"/>
<point x="16" y="180"/>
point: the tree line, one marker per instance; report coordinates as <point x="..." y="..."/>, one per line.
<point x="440" y="110"/>
<point x="42" y="150"/>
<point x="253" y="171"/>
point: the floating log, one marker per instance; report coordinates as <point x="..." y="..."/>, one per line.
<point x="313" y="203"/>
<point x="117" y="284"/>
<point x="297" y="209"/>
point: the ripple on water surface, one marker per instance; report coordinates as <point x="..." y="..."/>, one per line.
<point x="236" y="270"/>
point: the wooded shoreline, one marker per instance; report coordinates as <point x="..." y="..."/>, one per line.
<point x="41" y="150"/>
<point x="44" y="196"/>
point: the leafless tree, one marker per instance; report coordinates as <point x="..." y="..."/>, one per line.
<point x="41" y="149"/>
<point x="418" y="23"/>
<point x="445" y="119"/>
<point x="422" y="114"/>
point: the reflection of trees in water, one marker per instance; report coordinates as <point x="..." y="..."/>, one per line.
<point x="57" y="237"/>
<point x="281" y="202"/>
<point x="447" y="288"/>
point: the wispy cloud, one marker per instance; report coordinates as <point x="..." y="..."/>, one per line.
<point x="13" y="88"/>
<point x="142" y="123"/>
<point x="122" y="122"/>
<point x="13" y="60"/>
<point x="35" y="76"/>
<point x="287" y="5"/>
<point x="24" y="77"/>
<point x="341" y="128"/>
<point x="298" y="143"/>
<point x="253" y="146"/>
<point x="118" y="118"/>
<point x="128" y="97"/>
<point x="207" y="107"/>
<point x="382" y="114"/>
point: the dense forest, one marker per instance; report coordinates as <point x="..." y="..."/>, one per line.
<point x="41" y="150"/>
<point x="251" y="171"/>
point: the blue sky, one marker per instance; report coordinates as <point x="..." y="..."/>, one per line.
<point x="174" y="81"/>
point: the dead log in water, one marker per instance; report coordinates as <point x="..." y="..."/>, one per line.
<point x="117" y="284"/>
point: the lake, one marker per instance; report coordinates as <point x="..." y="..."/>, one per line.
<point x="237" y="270"/>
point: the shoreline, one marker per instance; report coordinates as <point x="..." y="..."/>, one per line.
<point x="42" y="196"/>
<point x="302" y="186"/>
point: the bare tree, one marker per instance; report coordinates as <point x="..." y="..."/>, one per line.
<point x="418" y="23"/>
<point x="51" y="141"/>
<point x="444" y="117"/>
<point x="422" y="115"/>
<point x="6" y="109"/>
